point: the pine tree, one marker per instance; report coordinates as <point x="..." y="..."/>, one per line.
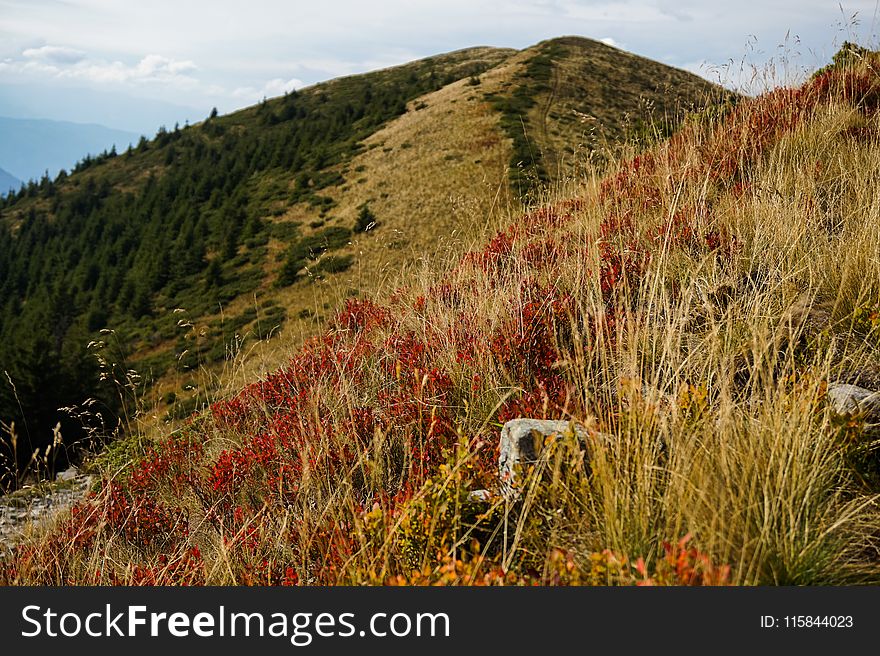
<point x="366" y="220"/>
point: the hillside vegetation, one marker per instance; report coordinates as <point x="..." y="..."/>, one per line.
<point x="690" y="308"/>
<point x="150" y="279"/>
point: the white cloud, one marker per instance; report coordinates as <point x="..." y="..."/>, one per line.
<point x="54" y="54"/>
<point x="158" y="66"/>
<point x="68" y="63"/>
<point x="151" y="68"/>
<point x="608" y="41"/>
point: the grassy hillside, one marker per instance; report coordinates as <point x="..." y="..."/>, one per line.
<point x="174" y="260"/>
<point x="690" y="307"/>
<point x="567" y="101"/>
<point x="192" y="220"/>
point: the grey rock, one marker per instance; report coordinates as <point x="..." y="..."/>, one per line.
<point x="522" y="441"/>
<point x="850" y="399"/>
<point x="68" y="474"/>
<point x="37" y="508"/>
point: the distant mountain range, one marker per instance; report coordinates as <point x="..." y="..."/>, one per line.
<point x="30" y="147"/>
<point x="88" y="105"/>
<point x="7" y="182"/>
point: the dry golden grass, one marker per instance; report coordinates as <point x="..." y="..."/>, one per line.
<point x="701" y="378"/>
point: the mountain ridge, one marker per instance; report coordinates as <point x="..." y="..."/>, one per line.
<point x="195" y="245"/>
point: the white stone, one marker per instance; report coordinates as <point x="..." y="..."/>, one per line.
<point x="851" y="399"/>
<point x="521" y="443"/>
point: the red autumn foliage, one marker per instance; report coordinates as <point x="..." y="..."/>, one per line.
<point x="683" y="565"/>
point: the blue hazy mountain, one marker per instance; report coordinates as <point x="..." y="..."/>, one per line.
<point x="84" y="105"/>
<point x="7" y="182"/>
<point x="30" y="147"/>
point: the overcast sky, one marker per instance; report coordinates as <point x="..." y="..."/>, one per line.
<point x="67" y="58"/>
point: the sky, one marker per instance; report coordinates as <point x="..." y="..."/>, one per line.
<point x="136" y="65"/>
